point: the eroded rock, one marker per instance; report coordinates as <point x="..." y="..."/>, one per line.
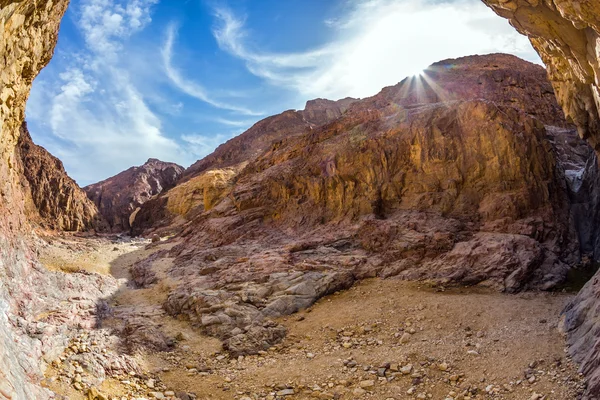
<point x="58" y="202"/>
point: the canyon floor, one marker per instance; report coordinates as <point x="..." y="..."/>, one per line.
<point x="382" y="339"/>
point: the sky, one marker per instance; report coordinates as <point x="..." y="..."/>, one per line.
<point x="172" y="79"/>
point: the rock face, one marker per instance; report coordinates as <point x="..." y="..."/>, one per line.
<point x="458" y="176"/>
<point x="206" y="181"/>
<point x="118" y="198"/>
<point x="566" y="34"/>
<point x="58" y="202"/>
<point x="39" y="310"/>
<point x="29" y="36"/>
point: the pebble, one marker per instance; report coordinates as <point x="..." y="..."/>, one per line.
<point x="366" y="384"/>
<point x="405" y="338"/>
<point x="286" y="392"/>
<point x="407" y="369"/>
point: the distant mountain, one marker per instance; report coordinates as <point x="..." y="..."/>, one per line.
<point x="118" y="198"/>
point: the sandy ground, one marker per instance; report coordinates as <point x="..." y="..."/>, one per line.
<point x="382" y="339"/>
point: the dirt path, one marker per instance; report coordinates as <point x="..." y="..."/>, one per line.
<point x="382" y="339"/>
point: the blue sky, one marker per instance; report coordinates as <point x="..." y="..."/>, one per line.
<point x="172" y="79"/>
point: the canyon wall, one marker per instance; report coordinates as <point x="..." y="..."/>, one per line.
<point x="29" y="35"/>
<point x="204" y="183"/>
<point x="36" y="307"/>
<point x="468" y="174"/>
<point x="566" y="34"/>
<point x="58" y="203"/>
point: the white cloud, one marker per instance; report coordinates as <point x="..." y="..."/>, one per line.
<point x="189" y="87"/>
<point x="202" y="145"/>
<point x="100" y="123"/>
<point x="376" y="44"/>
<point x="233" y="122"/>
<point x="105" y="22"/>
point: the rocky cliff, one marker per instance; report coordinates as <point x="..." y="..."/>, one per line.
<point x="39" y="310"/>
<point x="205" y="182"/>
<point x="118" y="198"/>
<point x="58" y="202"/>
<point x="566" y="34"/>
<point x="456" y="176"/>
<point x="29" y="35"/>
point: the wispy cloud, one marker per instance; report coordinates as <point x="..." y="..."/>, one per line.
<point x="99" y="121"/>
<point x="375" y="44"/>
<point x="190" y="87"/>
<point x="202" y="145"/>
<point x="238" y="123"/>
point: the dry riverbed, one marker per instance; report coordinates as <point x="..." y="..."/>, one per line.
<point x="382" y="339"/>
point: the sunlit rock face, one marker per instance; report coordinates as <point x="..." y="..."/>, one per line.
<point x="207" y="181"/>
<point x="566" y="34"/>
<point x="57" y="201"/>
<point x="119" y="198"/>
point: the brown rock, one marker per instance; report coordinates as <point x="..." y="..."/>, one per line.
<point x="457" y="184"/>
<point x="207" y="181"/>
<point x="565" y="34"/>
<point x="118" y="198"/>
<point x="58" y="202"/>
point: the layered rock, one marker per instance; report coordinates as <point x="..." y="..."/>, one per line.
<point x="119" y="198"/>
<point x="457" y="176"/>
<point x="207" y="180"/>
<point x="58" y="202"/>
<point x="39" y="310"/>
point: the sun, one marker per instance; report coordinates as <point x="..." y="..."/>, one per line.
<point x="418" y="72"/>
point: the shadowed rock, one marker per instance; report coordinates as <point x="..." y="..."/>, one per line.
<point x="58" y="202"/>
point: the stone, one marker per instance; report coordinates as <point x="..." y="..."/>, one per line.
<point x="286" y="392"/>
<point x="407" y="369"/>
<point x="405" y="337"/>
<point x="366" y="384"/>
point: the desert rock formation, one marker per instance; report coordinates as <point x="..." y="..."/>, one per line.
<point x="206" y="181"/>
<point x="29" y="35"/>
<point x="252" y="256"/>
<point x="457" y="176"/>
<point x="118" y="198"/>
<point x="565" y="33"/>
<point x="58" y="202"/>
